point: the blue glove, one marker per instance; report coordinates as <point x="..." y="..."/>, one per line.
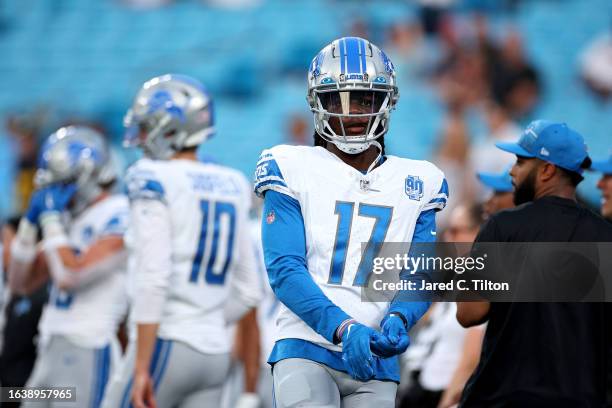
<point x="57" y="197"/>
<point x="356" y="352"/>
<point x="36" y="206"/>
<point x="394" y="339"/>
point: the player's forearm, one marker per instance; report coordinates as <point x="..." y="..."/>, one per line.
<point x="145" y="344"/>
<point x="68" y="278"/>
<point x="472" y="313"/>
<point x="412" y="306"/>
<point x="295" y="288"/>
<point x="249" y="349"/>
<point x="284" y="244"/>
<point x="245" y="283"/>
<point x="22" y="256"/>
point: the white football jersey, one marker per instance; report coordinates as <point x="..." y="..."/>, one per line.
<point x="89" y="315"/>
<point x="343" y="209"/>
<point x="208" y="206"/>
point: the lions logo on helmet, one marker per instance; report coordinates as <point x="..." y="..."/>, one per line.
<point x="170" y="113"/>
<point x="76" y="154"/>
<point x="349" y="70"/>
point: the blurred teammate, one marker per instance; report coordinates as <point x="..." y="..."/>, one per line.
<point x="82" y="227"/>
<point x="501" y="196"/>
<point x="321" y="203"/>
<point x="605" y="185"/>
<point x="190" y="238"/>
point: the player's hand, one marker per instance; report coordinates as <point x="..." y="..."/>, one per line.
<point x="394" y="339"/>
<point x="36" y="206"/>
<point x="56" y="197"/>
<point x="143" y="395"/>
<point x="356" y="352"/>
<point x="248" y="400"/>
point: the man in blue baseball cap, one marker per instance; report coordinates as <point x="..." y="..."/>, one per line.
<point x="550" y="161"/>
<point x="563" y="354"/>
<point x="605" y="185"/>
<point x="501" y="197"/>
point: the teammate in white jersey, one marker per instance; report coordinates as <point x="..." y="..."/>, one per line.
<point x="192" y="255"/>
<point x="321" y="203"/>
<point x="82" y="227"/>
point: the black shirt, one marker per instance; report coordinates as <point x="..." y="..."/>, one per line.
<point x="543" y="354"/>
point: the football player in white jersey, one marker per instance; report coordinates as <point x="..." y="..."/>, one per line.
<point x="192" y="255"/>
<point x="82" y="225"/>
<point x="321" y="203"/>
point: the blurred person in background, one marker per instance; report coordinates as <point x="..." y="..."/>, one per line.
<point x="484" y="156"/>
<point x="515" y="81"/>
<point x="596" y="65"/>
<point x="192" y="265"/>
<point x="298" y="129"/>
<point x="25" y="132"/>
<point x="605" y="185"/>
<point x="501" y="198"/>
<point x="21" y="317"/>
<point x="500" y="185"/>
<point x="569" y="371"/>
<point x="464" y="223"/>
<point x="446" y="336"/>
<point x="82" y="225"/>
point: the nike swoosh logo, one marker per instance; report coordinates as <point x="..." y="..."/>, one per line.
<point x="434" y="233"/>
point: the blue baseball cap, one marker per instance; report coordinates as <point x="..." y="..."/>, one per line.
<point x="604" y="166"/>
<point x="498" y="182"/>
<point x="553" y="142"/>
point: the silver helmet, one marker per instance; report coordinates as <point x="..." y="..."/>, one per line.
<point x="351" y="70"/>
<point x="170" y="113"/>
<point x="80" y="155"/>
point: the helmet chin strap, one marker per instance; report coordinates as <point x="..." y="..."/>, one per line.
<point x="347" y="148"/>
<point x="377" y="159"/>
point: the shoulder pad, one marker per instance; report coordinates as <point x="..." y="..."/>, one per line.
<point x="268" y="174"/>
<point x="143" y="183"/>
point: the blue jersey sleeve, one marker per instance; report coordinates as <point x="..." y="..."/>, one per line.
<point x="284" y="244"/>
<point x="268" y="176"/>
<point x="438" y="201"/>
<point x="413" y="309"/>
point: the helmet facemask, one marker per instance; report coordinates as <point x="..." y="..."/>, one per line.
<point x="351" y="119"/>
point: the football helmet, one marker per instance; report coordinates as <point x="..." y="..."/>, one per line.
<point x="351" y="72"/>
<point x="79" y="155"/>
<point x="170" y="112"/>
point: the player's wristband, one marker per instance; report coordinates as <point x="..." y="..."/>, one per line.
<point x="23" y="247"/>
<point x="341" y="328"/>
<point x="52" y="228"/>
<point x="401" y="316"/>
<point x="27" y="232"/>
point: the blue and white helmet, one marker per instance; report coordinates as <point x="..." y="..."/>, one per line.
<point x="170" y="113"/>
<point x="351" y="65"/>
<point x="80" y="155"/>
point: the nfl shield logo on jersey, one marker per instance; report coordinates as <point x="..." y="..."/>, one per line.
<point x="414" y="188"/>
<point x="270" y="217"/>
